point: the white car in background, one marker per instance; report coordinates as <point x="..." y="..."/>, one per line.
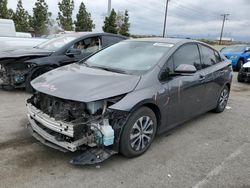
<point x="244" y="73"/>
<point x="10" y="39"/>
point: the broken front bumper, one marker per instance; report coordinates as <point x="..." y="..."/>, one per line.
<point x="47" y="129"/>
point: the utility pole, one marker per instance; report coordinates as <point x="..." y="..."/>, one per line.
<point x="223" y="23"/>
<point x="165" y="19"/>
<point x="109" y="7"/>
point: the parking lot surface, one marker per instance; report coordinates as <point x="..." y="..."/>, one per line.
<point x="212" y="150"/>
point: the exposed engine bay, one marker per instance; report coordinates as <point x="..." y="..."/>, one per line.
<point x="13" y="71"/>
<point x="70" y="125"/>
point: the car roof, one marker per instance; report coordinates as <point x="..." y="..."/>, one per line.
<point x="238" y="45"/>
<point x="163" y="40"/>
<point x="81" y="34"/>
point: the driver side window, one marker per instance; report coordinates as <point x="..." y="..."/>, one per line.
<point x="187" y="54"/>
<point x="89" y="45"/>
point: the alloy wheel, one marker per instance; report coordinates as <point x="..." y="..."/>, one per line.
<point x="223" y="98"/>
<point x="141" y="133"/>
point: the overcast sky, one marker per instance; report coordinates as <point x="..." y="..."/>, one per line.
<point x="186" y="18"/>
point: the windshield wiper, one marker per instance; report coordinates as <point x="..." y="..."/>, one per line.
<point x="83" y="63"/>
<point x="110" y="69"/>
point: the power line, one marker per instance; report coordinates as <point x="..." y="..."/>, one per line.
<point x="195" y="8"/>
<point x="185" y="11"/>
<point x="223" y="23"/>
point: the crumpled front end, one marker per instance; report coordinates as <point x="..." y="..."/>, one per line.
<point x="13" y="72"/>
<point x="244" y="74"/>
<point x="70" y="126"/>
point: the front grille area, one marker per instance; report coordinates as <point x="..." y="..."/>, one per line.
<point x="246" y="69"/>
<point x="59" y="109"/>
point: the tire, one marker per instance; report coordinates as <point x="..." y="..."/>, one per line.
<point x="34" y="74"/>
<point x="239" y="65"/>
<point x="239" y="78"/>
<point x="133" y="147"/>
<point x="222" y="101"/>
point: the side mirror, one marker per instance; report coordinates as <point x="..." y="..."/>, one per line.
<point x="248" y="60"/>
<point x="72" y="52"/>
<point x="185" y="68"/>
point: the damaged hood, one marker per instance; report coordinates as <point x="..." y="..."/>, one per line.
<point x="79" y="83"/>
<point x="12" y="53"/>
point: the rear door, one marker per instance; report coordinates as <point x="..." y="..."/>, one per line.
<point x="214" y="72"/>
<point x="185" y="91"/>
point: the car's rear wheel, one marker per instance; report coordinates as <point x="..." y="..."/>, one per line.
<point x="138" y="133"/>
<point x="34" y="74"/>
<point x="222" y="101"/>
<point x="239" y="65"/>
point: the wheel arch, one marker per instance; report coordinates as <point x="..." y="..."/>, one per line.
<point x="152" y="106"/>
<point x="228" y="85"/>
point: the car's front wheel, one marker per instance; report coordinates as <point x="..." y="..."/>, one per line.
<point x="138" y="133"/>
<point x="222" y="101"/>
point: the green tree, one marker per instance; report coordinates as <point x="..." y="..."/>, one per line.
<point x="119" y="19"/>
<point x="40" y="17"/>
<point x="110" y="25"/>
<point x="21" y="18"/>
<point x="124" y="29"/>
<point x="10" y="13"/>
<point x="83" y="20"/>
<point x="3" y="9"/>
<point x="66" y="8"/>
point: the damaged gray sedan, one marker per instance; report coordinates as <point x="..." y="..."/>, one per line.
<point x="117" y="100"/>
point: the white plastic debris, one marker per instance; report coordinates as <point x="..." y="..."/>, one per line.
<point x="228" y="107"/>
<point x="169" y="175"/>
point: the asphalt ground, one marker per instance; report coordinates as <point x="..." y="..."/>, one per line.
<point x="212" y="150"/>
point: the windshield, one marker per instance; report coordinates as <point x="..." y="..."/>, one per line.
<point x="56" y="43"/>
<point x="130" y="57"/>
<point x="233" y="49"/>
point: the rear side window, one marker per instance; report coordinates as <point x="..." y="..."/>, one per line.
<point x="209" y="57"/>
<point x="187" y="54"/>
<point x="109" y="40"/>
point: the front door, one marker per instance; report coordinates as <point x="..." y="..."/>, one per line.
<point x="87" y="47"/>
<point x="185" y="91"/>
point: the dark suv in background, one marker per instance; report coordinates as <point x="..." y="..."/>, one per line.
<point x="18" y="67"/>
